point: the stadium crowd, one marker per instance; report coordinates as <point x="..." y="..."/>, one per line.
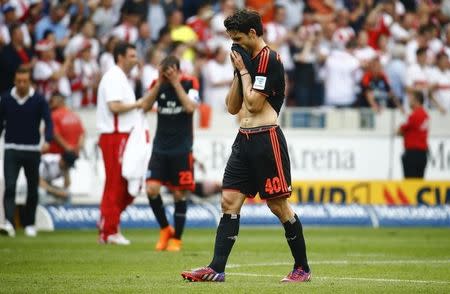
<point x="343" y="53"/>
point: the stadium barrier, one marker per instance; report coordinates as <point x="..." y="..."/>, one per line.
<point x="140" y="216"/>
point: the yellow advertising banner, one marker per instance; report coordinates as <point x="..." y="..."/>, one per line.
<point x="407" y="192"/>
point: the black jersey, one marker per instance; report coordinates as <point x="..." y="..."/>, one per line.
<point x="174" y="131"/>
<point x="269" y="77"/>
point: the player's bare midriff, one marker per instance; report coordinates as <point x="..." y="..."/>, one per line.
<point x="267" y="116"/>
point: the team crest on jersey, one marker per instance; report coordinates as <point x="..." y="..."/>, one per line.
<point x="260" y="83"/>
<point x="162" y="96"/>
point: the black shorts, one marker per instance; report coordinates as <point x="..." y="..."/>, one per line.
<point x="259" y="163"/>
<point x="176" y="171"/>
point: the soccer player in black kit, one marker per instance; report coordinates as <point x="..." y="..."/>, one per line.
<point x="171" y="163"/>
<point x="259" y="162"/>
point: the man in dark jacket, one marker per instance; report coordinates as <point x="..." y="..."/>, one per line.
<point x="21" y="112"/>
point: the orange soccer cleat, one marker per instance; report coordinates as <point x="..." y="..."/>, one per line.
<point x="164" y="236"/>
<point x="174" y="245"/>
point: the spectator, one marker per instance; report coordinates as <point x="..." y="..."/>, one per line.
<point x="217" y="77"/>
<point x="12" y="56"/>
<point x="305" y="74"/>
<point x="340" y="77"/>
<point x="424" y="35"/>
<point x="182" y="33"/>
<point x="143" y="43"/>
<point x="415" y="138"/>
<point x="127" y="30"/>
<point x="164" y="42"/>
<point x="21" y="111"/>
<point x="10" y="19"/>
<point x="85" y="78"/>
<point x="105" y="17"/>
<point x="68" y="128"/>
<point x="200" y="23"/>
<point x="294" y="12"/>
<point x="54" y="22"/>
<point x="344" y="32"/>
<point x="156" y="18"/>
<point x="440" y="82"/>
<point x="263" y="7"/>
<point x="150" y="69"/>
<point x="376" y="92"/>
<point x="418" y="76"/>
<point x="219" y="35"/>
<point x="52" y="168"/>
<point x="50" y="75"/>
<point x="363" y="52"/>
<point x="107" y="58"/>
<point x="86" y="35"/>
<point x="278" y="38"/>
<point x="395" y="71"/>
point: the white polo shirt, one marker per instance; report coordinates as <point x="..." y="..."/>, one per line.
<point x="114" y="86"/>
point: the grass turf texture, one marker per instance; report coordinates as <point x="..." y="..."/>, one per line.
<point x="343" y="260"/>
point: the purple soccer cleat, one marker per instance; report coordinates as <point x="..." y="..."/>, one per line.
<point x="298" y="275"/>
<point x="204" y="274"/>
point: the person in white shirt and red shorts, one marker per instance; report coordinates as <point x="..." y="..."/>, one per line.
<point x="116" y="115"/>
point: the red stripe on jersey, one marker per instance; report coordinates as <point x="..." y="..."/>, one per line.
<point x="263" y="60"/>
<point x="266" y="61"/>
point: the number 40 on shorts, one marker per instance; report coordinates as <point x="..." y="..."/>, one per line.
<point x="273" y="185"/>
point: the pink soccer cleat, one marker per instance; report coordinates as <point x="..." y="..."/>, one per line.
<point x="298" y="275"/>
<point x="204" y="274"/>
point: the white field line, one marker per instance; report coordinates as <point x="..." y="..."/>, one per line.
<point x="381" y="280"/>
<point x="344" y="262"/>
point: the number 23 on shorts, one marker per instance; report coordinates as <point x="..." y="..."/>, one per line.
<point x="185" y="177"/>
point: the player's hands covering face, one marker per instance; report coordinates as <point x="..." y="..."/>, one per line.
<point x="172" y="74"/>
<point x="237" y="61"/>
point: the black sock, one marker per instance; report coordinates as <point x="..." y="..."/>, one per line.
<point x="158" y="209"/>
<point x="296" y="241"/>
<point x="226" y="235"/>
<point x="179" y="217"/>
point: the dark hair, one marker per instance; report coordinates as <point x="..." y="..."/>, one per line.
<point x="421" y="50"/>
<point x="418" y="95"/>
<point x="121" y="48"/>
<point x="170" y="61"/>
<point x="243" y="20"/>
<point x="23" y="69"/>
<point x="48" y="32"/>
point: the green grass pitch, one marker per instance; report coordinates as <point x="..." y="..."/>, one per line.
<point x="343" y="260"/>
